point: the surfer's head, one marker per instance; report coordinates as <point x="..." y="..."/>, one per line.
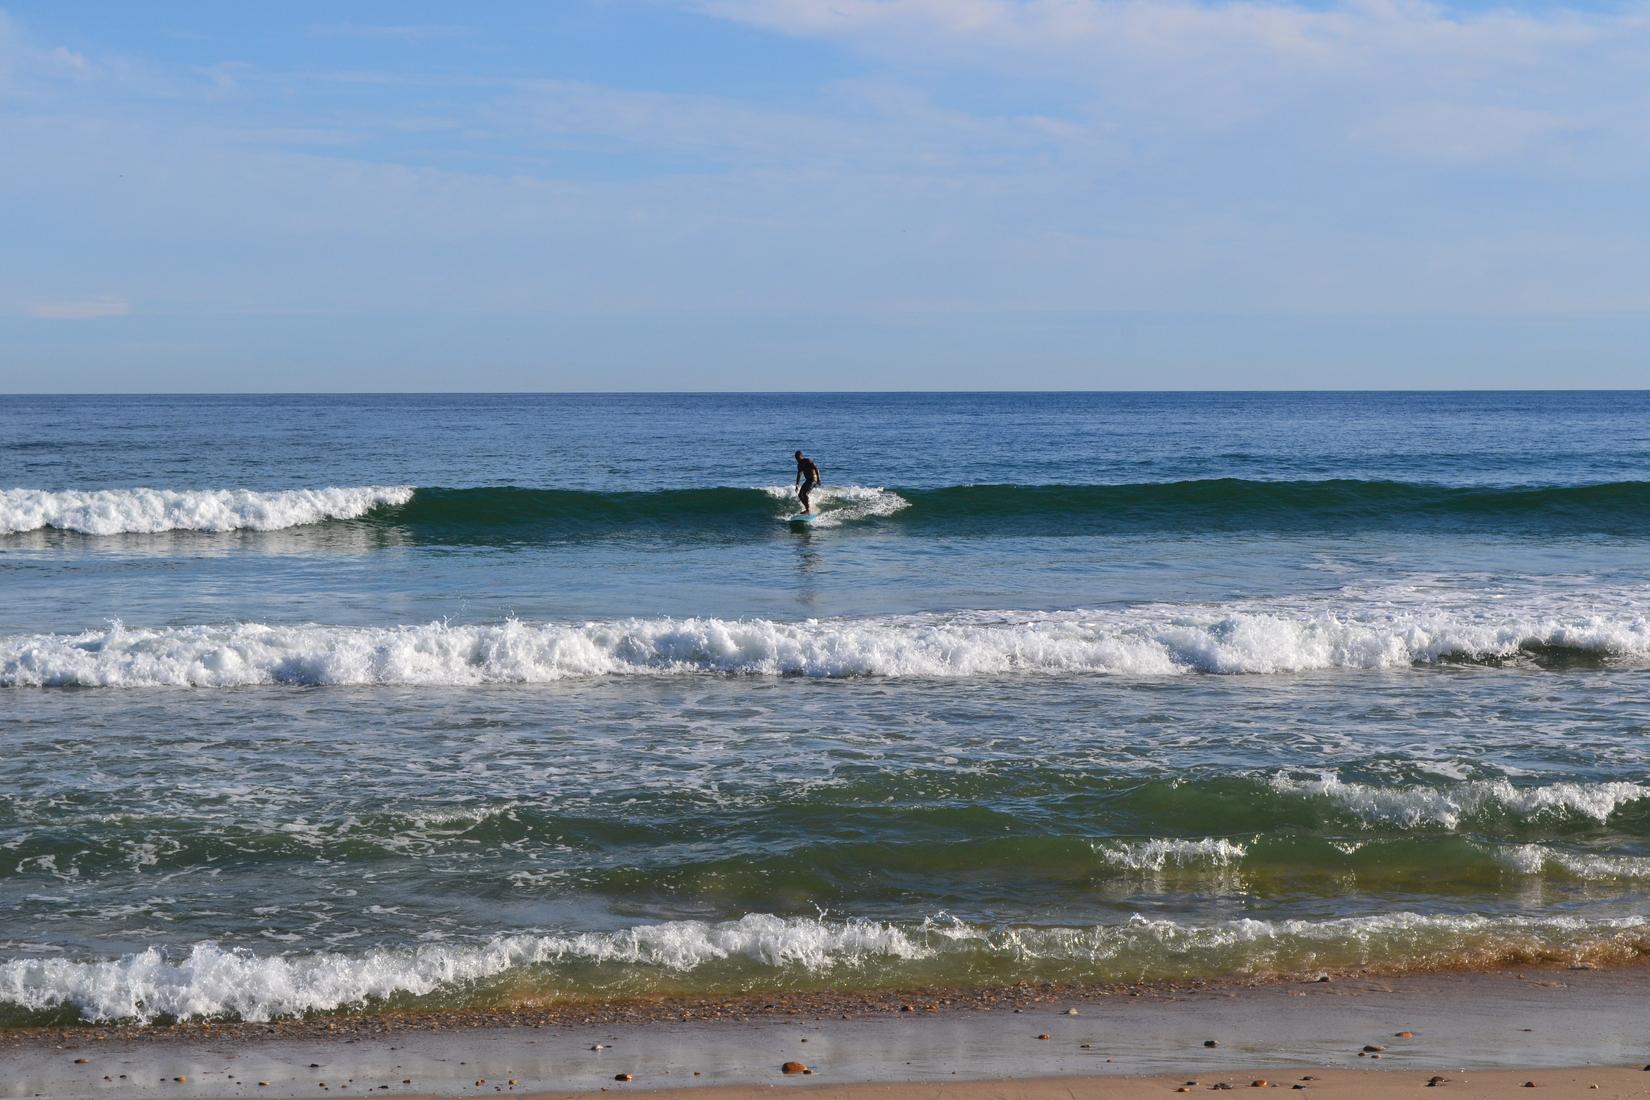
<point x="799" y="454"/>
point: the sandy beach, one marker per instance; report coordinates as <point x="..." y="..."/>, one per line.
<point x="1480" y="1033"/>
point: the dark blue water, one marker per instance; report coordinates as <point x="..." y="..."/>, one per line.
<point x="316" y="703"/>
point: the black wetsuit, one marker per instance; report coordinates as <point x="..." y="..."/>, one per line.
<point x="810" y="478"/>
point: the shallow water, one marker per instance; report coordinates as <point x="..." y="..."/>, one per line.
<point x="1248" y="684"/>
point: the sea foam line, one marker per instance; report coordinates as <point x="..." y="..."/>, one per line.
<point x="207" y="980"/>
<point x="150" y="511"/>
<point x="1143" y="642"/>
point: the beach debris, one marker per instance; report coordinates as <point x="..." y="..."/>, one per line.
<point x="1404" y="1035"/>
<point x="1044" y="1035"/>
<point x="598" y="1046"/>
<point x="1211" y="1042"/>
<point x="181" y="1079"/>
<point x="1373" y="1048"/>
<point x="1529" y="1084"/>
<point x="623" y="1077"/>
<point x="1434" y="1081"/>
<point x="1260" y="1083"/>
<point x="263" y="1084"/>
<point x="793" y="1067"/>
<point x="1071" y="1012"/>
<point x="80" y="1061"/>
<point x="910" y="1008"/>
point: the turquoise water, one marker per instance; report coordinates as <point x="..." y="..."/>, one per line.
<point x="324" y="703"/>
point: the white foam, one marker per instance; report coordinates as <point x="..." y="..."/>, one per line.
<point x="149" y="511"/>
<point x="1157" y="854"/>
<point x="1538" y="859"/>
<point x="841" y="504"/>
<point x="1151" y="641"/>
<point x="1420" y="806"/>
<point x="210" y="981"/>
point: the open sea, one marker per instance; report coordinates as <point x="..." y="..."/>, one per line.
<point x="384" y="702"/>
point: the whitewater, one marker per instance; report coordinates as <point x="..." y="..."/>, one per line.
<point x="152" y="511"/>
<point x="1144" y="642"/>
<point x="208" y="982"/>
<point x="444" y="702"/>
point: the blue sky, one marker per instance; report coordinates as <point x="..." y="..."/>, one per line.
<point x="823" y="194"/>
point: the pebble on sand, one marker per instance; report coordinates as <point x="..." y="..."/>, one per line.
<point x="1211" y="1042"/>
<point x="80" y="1061"/>
<point x="623" y="1077"/>
<point x="1044" y="1035"/>
<point x="1373" y="1048"/>
<point x="1260" y="1083"/>
<point x="1404" y="1035"/>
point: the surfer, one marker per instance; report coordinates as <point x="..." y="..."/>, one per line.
<point x="807" y="478"/>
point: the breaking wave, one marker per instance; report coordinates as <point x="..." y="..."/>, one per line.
<point x="1447" y="807"/>
<point x="1149" y="641"/>
<point x="507" y="514"/>
<point x="207" y="981"/>
<point x="151" y="511"/>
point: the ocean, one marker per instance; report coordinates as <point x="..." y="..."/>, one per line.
<point x="371" y="703"/>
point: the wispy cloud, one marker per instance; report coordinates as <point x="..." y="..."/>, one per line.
<point x="84" y="309"/>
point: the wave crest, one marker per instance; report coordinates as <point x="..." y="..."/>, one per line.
<point x="152" y="511"/>
<point x="208" y="981"/>
<point x="1146" y="642"/>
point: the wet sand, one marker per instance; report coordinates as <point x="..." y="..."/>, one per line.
<point x="1483" y="1033"/>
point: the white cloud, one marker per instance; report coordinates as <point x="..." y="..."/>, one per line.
<point x="1346" y="71"/>
<point x="85" y="309"/>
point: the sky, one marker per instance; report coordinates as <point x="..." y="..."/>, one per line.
<point x="822" y="195"/>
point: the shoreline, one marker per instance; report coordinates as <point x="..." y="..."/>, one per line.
<point x="1489" y="1027"/>
<point x="754" y="1007"/>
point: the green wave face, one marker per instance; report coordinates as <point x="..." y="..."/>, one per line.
<point x="1222" y="505"/>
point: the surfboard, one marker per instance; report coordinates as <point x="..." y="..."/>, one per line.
<point x="804" y="517"/>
